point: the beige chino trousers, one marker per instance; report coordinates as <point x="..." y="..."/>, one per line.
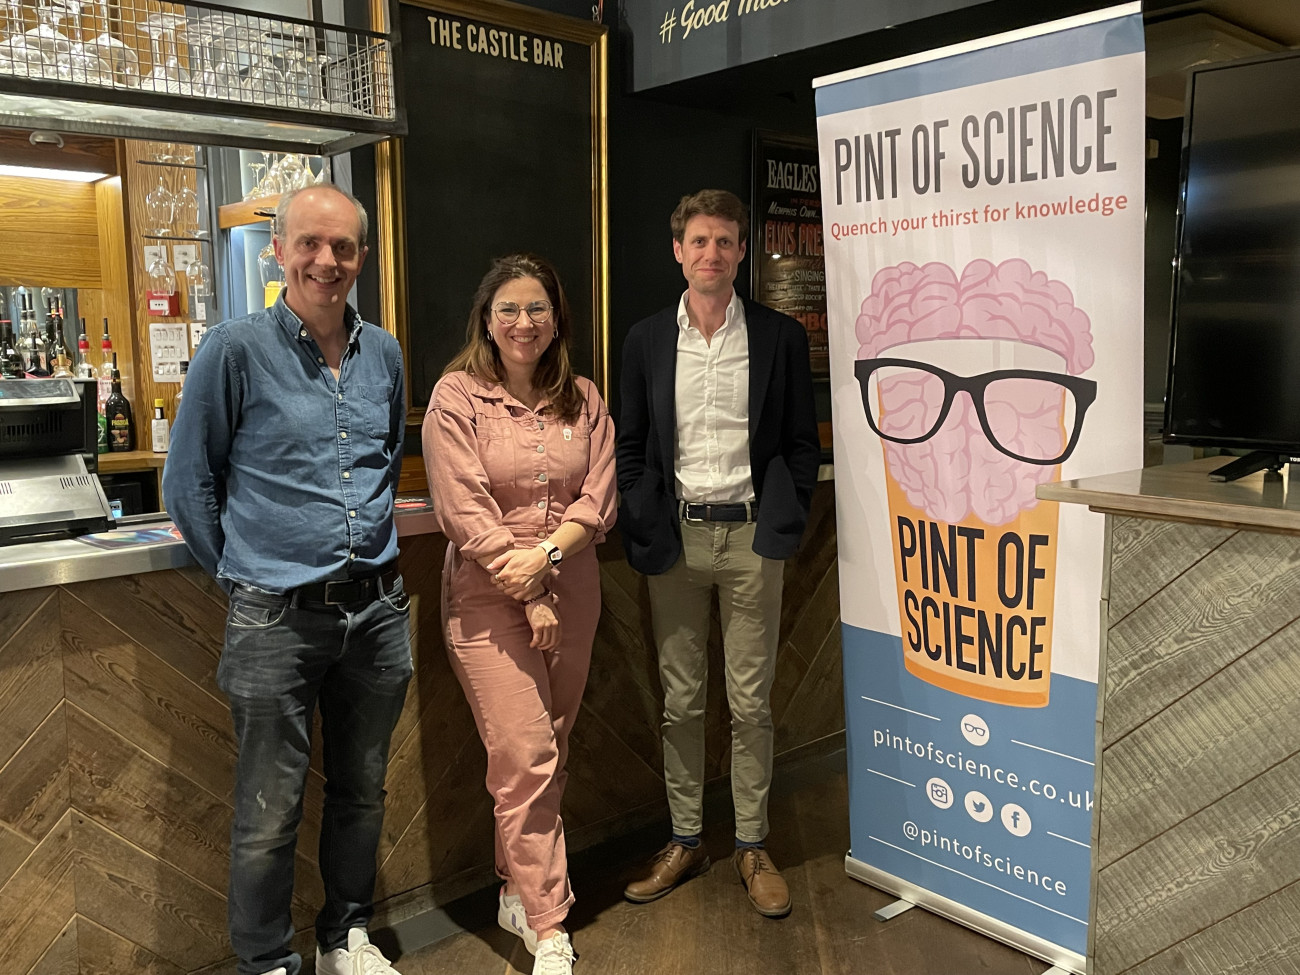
<point x="718" y="555"/>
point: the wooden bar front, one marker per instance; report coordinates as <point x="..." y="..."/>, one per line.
<point x="1197" y="848"/>
<point x="117" y="757"/>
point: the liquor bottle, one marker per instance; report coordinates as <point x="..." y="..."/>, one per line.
<point x="85" y="368"/>
<point x="105" y="368"/>
<point x="104" y="387"/>
<point x="160" y="435"/>
<point x="121" y="430"/>
<point x="11" y="361"/>
<point x="56" y="353"/>
<point x="34" y="349"/>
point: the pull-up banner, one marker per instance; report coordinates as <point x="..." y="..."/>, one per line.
<point x="676" y="39"/>
<point x="983" y="224"/>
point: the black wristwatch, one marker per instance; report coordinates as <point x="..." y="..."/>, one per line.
<point x="553" y="553"/>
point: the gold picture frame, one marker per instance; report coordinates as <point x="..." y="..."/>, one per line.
<point x="484" y="74"/>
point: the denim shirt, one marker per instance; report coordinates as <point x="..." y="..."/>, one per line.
<point x="279" y="475"/>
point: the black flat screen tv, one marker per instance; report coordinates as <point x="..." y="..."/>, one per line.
<point x="1234" y="358"/>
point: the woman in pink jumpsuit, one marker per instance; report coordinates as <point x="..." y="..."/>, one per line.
<point x="520" y="458"/>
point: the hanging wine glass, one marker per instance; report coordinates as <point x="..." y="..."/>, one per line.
<point x="265" y="83"/>
<point x="81" y="64"/>
<point x="290" y="173"/>
<point x="271" y="185"/>
<point x="256" y="190"/>
<point x="323" y="176"/>
<point x="167" y="74"/>
<point x="123" y="65"/>
<point x="160" y="208"/>
<point x="162" y="279"/>
<point x="19" y="56"/>
<point x="185" y="212"/>
<point x="216" y="77"/>
<point x="200" y="279"/>
<point x="268" y="267"/>
<point x="46" y="35"/>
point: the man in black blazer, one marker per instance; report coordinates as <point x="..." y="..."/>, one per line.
<point x="717" y="459"/>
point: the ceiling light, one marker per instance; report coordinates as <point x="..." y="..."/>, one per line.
<point x="37" y="172"/>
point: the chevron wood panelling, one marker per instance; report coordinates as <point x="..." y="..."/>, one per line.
<point x="117" y="757"/>
<point x="1198" y="859"/>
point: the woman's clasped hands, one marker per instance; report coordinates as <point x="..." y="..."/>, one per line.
<point x="520" y="574"/>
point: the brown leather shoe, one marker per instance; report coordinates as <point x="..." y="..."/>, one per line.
<point x="673" y="865"/>
<point x="767" y="890"/>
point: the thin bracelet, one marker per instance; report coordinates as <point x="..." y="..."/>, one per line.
<point x="541" y="595"/>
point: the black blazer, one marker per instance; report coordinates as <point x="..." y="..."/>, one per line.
<point x="784" y="449"/>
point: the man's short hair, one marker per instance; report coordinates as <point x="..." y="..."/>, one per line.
<point x="710" y="203"/>
<point x="282" y="210"/>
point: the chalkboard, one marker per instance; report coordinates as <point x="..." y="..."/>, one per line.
<point x="506" y="153"/>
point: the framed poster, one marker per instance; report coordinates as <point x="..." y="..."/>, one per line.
<point x="506" y="152"/>
<point x="787" y="264"/>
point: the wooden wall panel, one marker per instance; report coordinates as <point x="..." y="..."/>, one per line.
<point x="50" y="233"/>
<point x="145" y="900"/>
<point x="34" y="785"/>
<point x="1205" y="618"/>
<point x="1149" y="555"/>
<point x="102" y="952"/>
<point x="60" y="958"/>
<point x="31" y="681"/>
<point x="1263" y="939"/>
<point x="38" y="900"/>
<point x="1198" y="864"/>
<point x="119" y="683"/>
<point x="1219" y="736"/>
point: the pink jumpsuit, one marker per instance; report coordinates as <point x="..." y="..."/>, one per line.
<point x="502" y="476"/>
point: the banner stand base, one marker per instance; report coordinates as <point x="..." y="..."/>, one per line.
<point x="891" y="911"/>
<point x="1063" y="959"/>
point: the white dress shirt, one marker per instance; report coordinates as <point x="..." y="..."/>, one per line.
<point x="711" y="460"/>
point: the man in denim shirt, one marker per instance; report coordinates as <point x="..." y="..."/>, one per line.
<point x="281" y="476"/>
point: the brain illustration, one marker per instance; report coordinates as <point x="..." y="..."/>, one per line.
<point x="958" y="471"/>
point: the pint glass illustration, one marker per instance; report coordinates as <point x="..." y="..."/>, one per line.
<point x="973" y="384"/>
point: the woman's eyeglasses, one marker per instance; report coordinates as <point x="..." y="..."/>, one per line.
<point x="507" y="312"/>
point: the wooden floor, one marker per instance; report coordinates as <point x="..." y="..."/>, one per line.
<point x="707" y="925"/>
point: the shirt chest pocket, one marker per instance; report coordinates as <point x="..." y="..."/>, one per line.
<point x="496" y="448"/>
<point x="373" y="406"/>
<point x="577" y="449"/>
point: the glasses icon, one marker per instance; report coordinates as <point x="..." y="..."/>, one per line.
<point x="539" y="312"/>
<point x="1031" y="416"/>
<point x="975" y="729"/>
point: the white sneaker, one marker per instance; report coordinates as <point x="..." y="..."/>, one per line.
<point x="554" y="956"/>
<point x="278" y="971"/>
<point x="511" y="917"/>
<point x="360" y="957"/>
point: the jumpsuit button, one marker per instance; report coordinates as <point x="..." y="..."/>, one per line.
<point x="541" y="504"/>
<point x="541" y="478"/>
<point x="541" y="449"/>
<point x="541" y="534"/>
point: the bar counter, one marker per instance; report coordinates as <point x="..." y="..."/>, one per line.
<point x="1196" y="851"/>
<point x="117" y="758"/>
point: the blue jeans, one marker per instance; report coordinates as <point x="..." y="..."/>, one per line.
<point x="280" y="660"/>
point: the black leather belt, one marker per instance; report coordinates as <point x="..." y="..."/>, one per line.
<point x="703" y="511"/>
<point x="347" y="592"/>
